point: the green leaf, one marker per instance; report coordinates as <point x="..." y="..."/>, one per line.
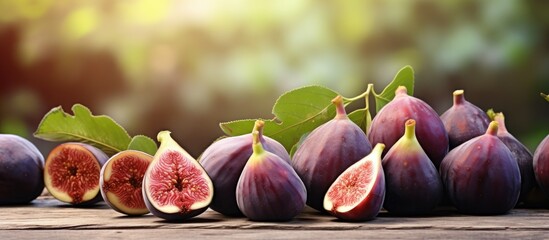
<point x="100" y="131"/>
<point x="545" y="96"/>
<point x="144" y="144"/>
<point x="296" y="112"/>
<point x="404" y="77"/>
<point x="362" y="118"/>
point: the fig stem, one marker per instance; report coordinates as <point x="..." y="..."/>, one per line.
<point x="492" y="128"/>
<point x="378" y="150"/>
<point x="257" y="146"/>
<point x="163" y="135"/>
<point x="340" y="107"/>
<point x="258" y="126"/>
<point x="401" y="90"/>
<point x="459" y="97"/>
<point x="543" y="95"/>
<point x="500" y="118"/>
<point x="410" y="129"/>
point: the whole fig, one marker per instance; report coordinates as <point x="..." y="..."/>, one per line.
<point x="387" y="125"/>
<point x="521" y="154"/>
<point x="175" y="186"/>
<point x="358" y="193"/>
<point x="21" y="170"/>
<point x="224" y="161"/>
<point x="481" y="175"/>
<point x="268" y="188"/>
<point x="463" y="120"/>
<point x="541" y="165"/>
<point x="327" y="151"/>
<point x="71" y="173"/>
<point x="412" y="180"/>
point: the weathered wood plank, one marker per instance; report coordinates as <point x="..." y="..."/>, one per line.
<point x="49" y="216"/>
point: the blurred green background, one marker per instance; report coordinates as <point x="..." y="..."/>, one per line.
<point x="188" y="65"/>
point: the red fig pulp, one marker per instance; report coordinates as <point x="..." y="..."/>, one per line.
<point x="357" y="194"/>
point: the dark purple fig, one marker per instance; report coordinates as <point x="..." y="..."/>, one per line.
<point x="268" y="188"/>
<point x="72" y="173"/>
<point x="481" y="176"/>
<point x="21" y="170"/>
<point x="121" y="181"/>
<point x="357" y="194"/>
<point x="224" y="161"/>
<point x="175" y="186"/>
<point x="412" y="181"/>
<point x="541" y="165"/>
<point x="327" y="151"/>
<point x="521" y="154"/>
<point x="387" y="125"/>
<point x="463" y="120"/>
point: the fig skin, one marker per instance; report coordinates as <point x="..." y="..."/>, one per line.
<point x="387" y="125"/>
<point x="521" y="154"/>
<point x="84" y="149"/>
<point x="412" y="180"/>
<point x="269" y="189"/>
<point x="133" y="175"/>
<point x="463" y="121"/>
<point x="182" y="200"/>
<point x="541" y="165"/>
<point x="224" y="161"/>
<point x="327" y="151"/>
<point x="370" y="205"/>
<point x="481" y="176"/>
<point x="21" y="170"/>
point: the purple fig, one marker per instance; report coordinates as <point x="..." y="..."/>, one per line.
<point x="412" y="180"/>
<point x="327" y="151"/>
<point x="463" y="120"/>
<point x="21" y="170"/>
<point x="541" y="165"/>
<point x="521" y="154"/>
<point x="224" y="161"/>
<point x="175" y="186"/>
<point x="481" y="176"/>
<point x="268" y="188"/>
<point x="387" y="125"/>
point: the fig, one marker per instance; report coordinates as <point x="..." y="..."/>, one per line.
<point x="463" y="120"/>
<point x="71" y="173"/>
<point x="541" y="165"/>
<point x="387" y="125"/>
<point x="269" y="189"/>
<point x="358" y="193"/>
<point x="412" y="180"/>
<point x="521" y="154"/>
<point x="481" y="176"/>
<point x="175" y="186"/>
<point x="121" y="181"/>
<point x="224" y="161"/>
<point x="21" y="170"/>
<point x="327" y="151"/>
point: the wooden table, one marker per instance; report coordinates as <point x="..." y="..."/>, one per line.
<point x="47" y="218"/>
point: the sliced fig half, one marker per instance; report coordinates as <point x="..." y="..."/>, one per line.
<point x="358" y="193"/>
<point x="71" y="173"/>
<point x="121" y="181"/>
<point x="175" y="186"/>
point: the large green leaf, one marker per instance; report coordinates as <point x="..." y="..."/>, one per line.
<point x="296" y="112"/>
<point x="144" y="144"/>
<point x="362" y="118"/>
<point x="404" y="77"/>
<point x="100" y="131"/>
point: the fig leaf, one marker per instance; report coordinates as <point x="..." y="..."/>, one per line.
<point x="362" y="118"/>
<point x="144" y="144"/>
<point x="404" y="77"/>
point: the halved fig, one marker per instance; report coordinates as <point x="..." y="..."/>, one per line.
<point x="358" y="193"/>
<point x="71" y="173"/>
<point x="121" y="181"/>
<point x="175" y="186"/>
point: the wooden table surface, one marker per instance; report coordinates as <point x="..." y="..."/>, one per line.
<point x="47" y="218"/>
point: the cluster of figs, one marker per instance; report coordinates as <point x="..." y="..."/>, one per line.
<point x="410" y="161"/>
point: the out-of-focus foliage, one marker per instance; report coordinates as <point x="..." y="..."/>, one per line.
<point x="187" y="65"/>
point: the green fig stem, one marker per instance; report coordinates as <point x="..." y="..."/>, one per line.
<point x="401" y="90"/>
<point x="340" y="107"/>
<point x="257" y="145"/>
<point x="410" y="129"/>
<point x="378" y="150"/>
<point x="493" y="128"/>
<point x="258" y="126"/>
<point x="459" y="97"/>
<point x="163" y="136"/>
<point x="543" y="95"/>
<point x="500" y="118"/>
